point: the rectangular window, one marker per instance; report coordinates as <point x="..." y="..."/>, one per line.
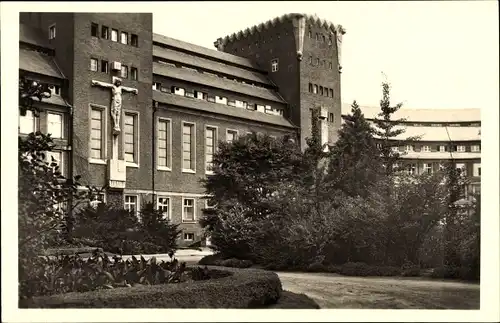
<point x="188" y="142"/>
<point x="210" y="147"/>
<point x="124" y="71"/>
<point x="411" y="169"/>
<point x="330" y="65"/>
<point x="475" y="148"/>
<point x="274" y="65"/>
<point x="395" y="149"/>
<point x="55" y="157"/>
<point x="156" y="86"/>
<point x="27" y="123"/>
<point x="427" y="168"/>
<point x="408" y="148"/>
<point x="461" y="149"/>
<point x="269" y="109"/>
<point x="131" y="204"/>
<point x="199" y="95"/>
<point x="231" y="135"/>
<point x="426" y="149"/>
<point x="164" y="206"/>
<point x="55" y="125"/>
<point x="93" y="64"/>
<point x="331" y="93"/>
<point x="331" y="117"/>
<point x="189" y="94"/>
<point x="188" y="236"/>
<point x="317" y="61"/>
<point x="124" y="38"/>
<point x="114" y="35"/>
<point x="211" y="98"/>
<point x="134" y="40"/>
<point x="52" y="32"/>
<point x="221" y="99"/>
<point x="134" y="73"/>
<point x="164" y="144"/>
<point x="104" y="32"/>
<point x="260" y="108"/>
<point x="178" y="90"/>
<point x="130" y="137"/>
<point x="315" y="88"/>
<point x="94" y="30"/>
<point x="442" y="149"/>
<point x="96" y="134"/>
<point x="105" y="67"/>
<point x="461" y="167"/>
<point x="55" y="89"/>
<point x="476" y="169"/>
<point x="188" y="210"/>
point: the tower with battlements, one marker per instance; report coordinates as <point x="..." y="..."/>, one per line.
<point x="302" y="55"/>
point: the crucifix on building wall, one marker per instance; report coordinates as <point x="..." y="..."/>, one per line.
<point x="116" y="100"/>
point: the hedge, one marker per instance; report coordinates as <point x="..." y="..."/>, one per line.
<point x="217" y="260"/>
<point x="245" y="288"/>
<point x="289" y="300"/>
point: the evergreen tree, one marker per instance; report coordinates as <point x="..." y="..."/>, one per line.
<point x="354" y="158"/>
<point x="387" y="130"/>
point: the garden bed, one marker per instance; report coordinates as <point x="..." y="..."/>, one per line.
<point x="247" y="288"/>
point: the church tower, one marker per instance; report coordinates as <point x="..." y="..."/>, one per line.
<point x="302" y="55"/>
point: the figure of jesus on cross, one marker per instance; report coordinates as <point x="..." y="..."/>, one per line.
<point x="116" y="102"/>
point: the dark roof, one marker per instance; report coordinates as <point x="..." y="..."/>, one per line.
<point x="208" y="64"/>
<point x="203" y="51"/>
<point x="206" y="106"/>
<point x="215" y="81"/>
<point x="33" y="36"/>
<point x="39" y="63"/>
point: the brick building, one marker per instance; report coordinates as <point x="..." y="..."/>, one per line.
<point x="444" y="135"/>
<point x="151" y="138"/>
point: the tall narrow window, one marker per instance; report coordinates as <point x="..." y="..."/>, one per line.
<point x="442" y="148"/>
<point x="124" y="71"/>
<point x="164" y="144"/>
<point x="310" y="59"/>
<point x="105" y="67"/>
<point x="210" y="147"/>
<point x="114" y="35"/>
<point x="310" y="87"/>
<point x="55" y="125"/>
<point x="52" y="32"/>
<point x="104" y="32"/>
<point x="94" y="30"/>
<point x="331" y="117"/>
<point x="27" y="123"/>
<point x="320" y="90"/>
<point x="97" y="199"/>
<point x="157" y="86"/>
<point x="427" y="168"/>
<point x="124" y="38"/>
<point x="231" y="135"/>
<point x="134" y="73"/>
<point x="164" y="206"/>
<point x="131" y="204"/>
<point x="130" y="133"/>
<point x="331" y="93"/>
<point x="315" y="89"/>
<point x="188" y="214"/>
<point x="93" y="64"/>
<point x="96" y="137"/>
<point x="134" y="40"/>
<point x="476" y="169"/>
<point x="317" y="61"/>
<point x="188" y="160"/>
<point x="274" y="65"/>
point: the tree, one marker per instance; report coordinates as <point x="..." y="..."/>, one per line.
<point x="159" y="228"/>
<point x="387" y="130"/>
<point x="354" y="160"/>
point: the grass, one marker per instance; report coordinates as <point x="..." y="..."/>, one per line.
<point x="335" y="291"/>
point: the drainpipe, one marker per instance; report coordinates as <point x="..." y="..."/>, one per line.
<point x="153" y="152"/>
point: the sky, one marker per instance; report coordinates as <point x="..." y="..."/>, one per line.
<point x="435" y="54"/>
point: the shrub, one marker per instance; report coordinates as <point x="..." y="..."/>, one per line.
<point x="249" y="288"/>
<point x="317" y="267"/>
<point x="210" y="259"/>
<point x="446" y="272"/>
<point x="291" y="300"/>
<point x="236" y="263"/>
<point x="158" y="228"/>
<point x="362" y="269"/>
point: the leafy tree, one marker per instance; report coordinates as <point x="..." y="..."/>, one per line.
<point x="354" y="160"/>
<point x="159" y="228"/>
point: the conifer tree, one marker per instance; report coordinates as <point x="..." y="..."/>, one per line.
<point x="354" y="158"/>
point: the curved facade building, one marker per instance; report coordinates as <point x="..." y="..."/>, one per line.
<point x="437" y="130"/>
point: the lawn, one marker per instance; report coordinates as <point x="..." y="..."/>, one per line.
<point x="335" y="291"/>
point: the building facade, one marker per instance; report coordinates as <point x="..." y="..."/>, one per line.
<point x="443" y="135"/>
<point x="140" y="114"/>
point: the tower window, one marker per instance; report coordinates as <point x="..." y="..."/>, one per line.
<point x="134" y="40"/>
<point x="324" y="39"/>
<point x="104" y="32"/>
<point x="274" y="65"/>
<point x="321" y="90"/>
<point x="94" y="30"/>
<point x="114" y="35"/>
<point x="317" y="61"/>
<point x="310" y="87"/>
<point x="315" y="89"/>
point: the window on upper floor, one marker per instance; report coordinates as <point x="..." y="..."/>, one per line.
<point x="55" y="89"/>
<point x="130" y="135"/>
<point x="52" y="32"/>
<point x="331" y="117"/>
<point x="240" y="104"/>
<point x="93" y="64"/>
<point x="317" y="36"/>
<point x="476" y="169"/>
<point x="94" y="30"/>
<point x="315" y="88"/>
<point x="220" y="99"/>
<point x="330" y="40"/>
<point x="330" y="65"/>
<point x="134" y="40"/>
<point x="28" y="123"/>
<point x="324" y="38"/>
<point x="331" y="93"/>
<point x="104" y="32"/>
<point x="177" y="90"/>
<point x="426" y="149"/>
<point x="200" y="95"/>
<point x="124" y="38"/>
<point x="442" y="148"/>
<point x="317" y="61"/>
<point x="105" y="67"/>
<point x="55" y="124"/>
<point x="97" y="141"/>
<point x="321" y="90"/>
<point x="310" y="59"/>
<point x="124" y="71"/>
<point x="164" y="144"/>
<point x="210" y="147"/>
<point x="408" y="148"/>
<point x="134" y="73"/>
<point x="114" y="35"/>
<point x="188" y="147"/>
<point x="157" y="86"/>
<point x="460" y="148"/>
<point x="310" y="87"/>
<point x="475" y="148"/>
<point x="274" y="65"/>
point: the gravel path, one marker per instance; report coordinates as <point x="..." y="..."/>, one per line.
<point x="336" y="291"/>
